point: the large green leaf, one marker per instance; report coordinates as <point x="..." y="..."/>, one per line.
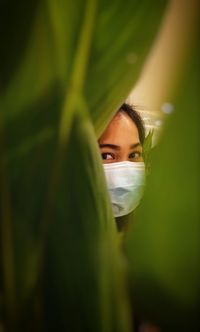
<point x="163" y="246"/>
<point x="104" y="60"/>
<point x="74" y="61"/>
<point x="82" y="275"/>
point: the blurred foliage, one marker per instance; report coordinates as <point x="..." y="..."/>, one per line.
<point x="147" y="148"/>
<point x="65" y="67"/>
<point x="165" y="269"/>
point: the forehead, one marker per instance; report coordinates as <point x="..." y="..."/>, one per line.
<point x="121" y="130"/>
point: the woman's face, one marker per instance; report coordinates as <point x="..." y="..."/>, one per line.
<point x="120" y="141"/>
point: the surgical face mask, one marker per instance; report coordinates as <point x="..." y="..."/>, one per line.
<point x="125" y="182"/>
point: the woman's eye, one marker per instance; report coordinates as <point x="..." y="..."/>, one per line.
<point x="107" y="156"/>
<point x="137" y="156"/>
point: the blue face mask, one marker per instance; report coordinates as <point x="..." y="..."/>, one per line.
<point x="125" y="182"/>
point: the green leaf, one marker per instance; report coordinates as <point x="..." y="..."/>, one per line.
<point x="163" y="247"/>
<point x="82" y="272"/>
<point x="147" y="147"/>
<point x="75" y="62"/>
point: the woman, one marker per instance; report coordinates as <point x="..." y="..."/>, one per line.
<point x="121" y="147"/>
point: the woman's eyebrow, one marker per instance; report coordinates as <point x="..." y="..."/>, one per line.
<point x="112" y="146"/>
<point x="135" y="145"/>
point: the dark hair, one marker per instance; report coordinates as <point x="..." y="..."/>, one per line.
<point x="136" y="118"/>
